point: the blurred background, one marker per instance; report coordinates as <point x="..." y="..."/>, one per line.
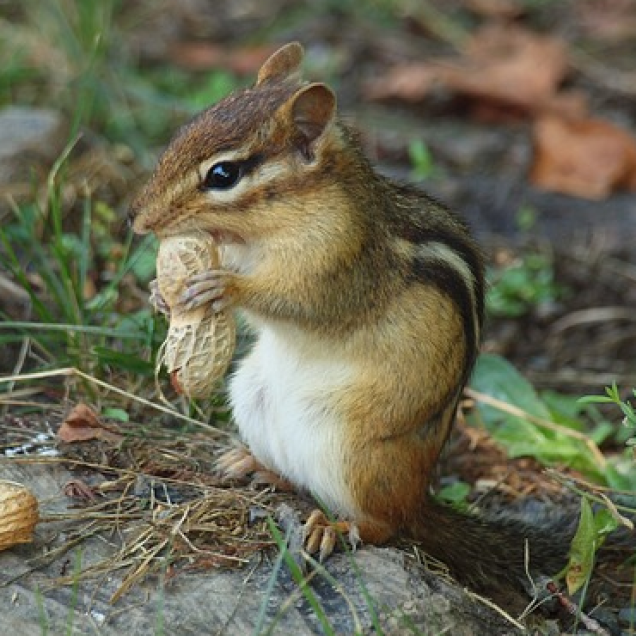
<point x="518" y="113"/>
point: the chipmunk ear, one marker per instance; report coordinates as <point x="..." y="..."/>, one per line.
<point x="283" y="65"/>
<point x="312" y="108"/>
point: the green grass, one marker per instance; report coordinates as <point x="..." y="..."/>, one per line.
<point x="519" y="287"/>
<point x="69" y="324"/>
<point x="301" y="581"/>
<point x="72" y="258"/>
<point x="625" y="407"/>
<point x="304" y="580"/>
<point x="74" y="56"/>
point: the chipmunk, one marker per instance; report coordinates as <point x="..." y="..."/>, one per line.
<point x="367" y="299"/>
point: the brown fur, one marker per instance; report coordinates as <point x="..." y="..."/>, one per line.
<point x="346" y="241"/>
<point x="380" y="272"/>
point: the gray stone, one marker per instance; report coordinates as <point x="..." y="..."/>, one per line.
<point x="30" y="139"/>
<point x="372" y="588"/>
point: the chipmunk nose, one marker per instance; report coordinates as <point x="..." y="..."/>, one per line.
<point x="133" y="221"/>
<point x="130" y="218"/>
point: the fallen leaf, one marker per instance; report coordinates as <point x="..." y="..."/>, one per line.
<point x="203" y="56"/>
<point x="589" y="158"/>
<point x="502" y="67"/>
<point x="83" y="415"/>
<point x="610" y="20"/>
<point x="83" y="424"/>
<point x="410" y="82"/>
<point x="511" y="66"/>
<point x="569" y="104"/>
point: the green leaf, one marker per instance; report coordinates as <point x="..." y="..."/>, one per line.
<point x="521" y="285"/>
<point x="590" y="534"/>
<point x="601" y="432"/>
<point x="455" y="493"/>
<point x="421" y="159"/>
<point x="604" y="523"/>
<point x="595" y="399"/>
<point x="116" y="414"/>
<point x="564" y="409"/>
<point x="620" y="472"/>
<point x="496" y="377"/>
<point x="582" y="550"/>
<point x="143" y="261"/>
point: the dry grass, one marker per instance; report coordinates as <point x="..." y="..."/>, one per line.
<point x="158" y="518"/>
<point x="152" y="493"/>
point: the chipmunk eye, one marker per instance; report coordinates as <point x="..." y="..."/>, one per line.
<point x="223" y="175"/>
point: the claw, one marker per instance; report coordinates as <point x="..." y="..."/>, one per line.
<point x="320" y="534"/>
<point x="327" y="543"/>
<point x="239" y="463"/>
<point x="207" y="288"/>
<point x="156" y="300"/>
<point x="266" y="477"/>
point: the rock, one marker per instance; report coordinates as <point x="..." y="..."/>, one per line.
<point x="30" y="139"/>
<point x="358" y="593"/>
<point x="627" y="616"/>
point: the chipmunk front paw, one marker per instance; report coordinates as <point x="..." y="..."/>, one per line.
<point x="240" y="464"/>
<point x="215" y="286"/>
<point x="156" y="300"/>
<point x="320" y="534"/>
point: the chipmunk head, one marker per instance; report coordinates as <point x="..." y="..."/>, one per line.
<point x="237" y="160"/>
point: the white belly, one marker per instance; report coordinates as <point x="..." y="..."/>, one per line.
<point x="280" y="397"/>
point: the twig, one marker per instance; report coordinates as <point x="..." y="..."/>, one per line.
<point x="622" y="82"/>
<point x="572" y="608"/>
<point x="585" y="489"/>
<point x="591" y="316"/>
<point x="493" y="606"/>
<point x="74" y="372"/>
<point x="578" y="378"/>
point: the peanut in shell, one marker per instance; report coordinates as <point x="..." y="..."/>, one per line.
<point x="18" y="514"/>
<point x="200" y="342"/>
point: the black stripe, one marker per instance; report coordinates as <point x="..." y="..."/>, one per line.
<point x="428" y="270"/>
<point x="465" y="248"/>
<point x="439" y="224"/>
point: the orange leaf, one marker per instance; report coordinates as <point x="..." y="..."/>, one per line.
<point x="411" y="82"/>
<point x="501" y="66"/>
<point x="82" y="424"/>
<point x="511" y="66"/>
<point x="589" y="158"/>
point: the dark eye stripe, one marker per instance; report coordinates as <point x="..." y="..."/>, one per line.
<point x="224" y="175"/>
